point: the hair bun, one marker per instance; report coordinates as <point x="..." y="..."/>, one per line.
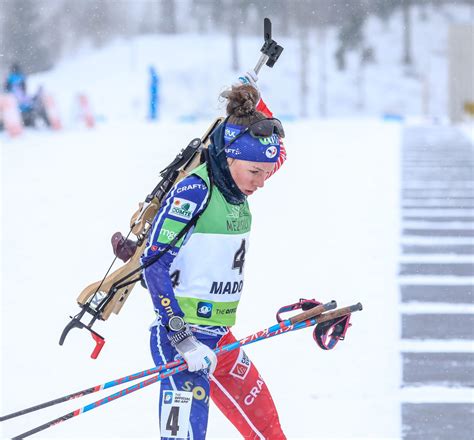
<point x="242" y="100"/>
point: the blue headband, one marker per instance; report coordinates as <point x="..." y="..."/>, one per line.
<point x="250" y="148"/>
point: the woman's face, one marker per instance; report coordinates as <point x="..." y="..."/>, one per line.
<point x="249" y="176"/>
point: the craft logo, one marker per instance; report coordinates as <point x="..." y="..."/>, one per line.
<point x="271" y="152"/>
<point x="233" y="151"/>
<point x="182" y="208"/>
<point x="190" y="187"/>
<point x="168" y="397"/>
<point x="241" y="366"/>
<point x="204" y="309"/>
<point x="254" y="392"/>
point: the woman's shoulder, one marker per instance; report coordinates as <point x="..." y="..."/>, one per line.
<point x="192" y="188"/>
<point x="192" y="182"/>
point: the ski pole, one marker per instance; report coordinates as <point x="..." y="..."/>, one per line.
<point x="317" y="310"/>
<point x="280" y="328"/>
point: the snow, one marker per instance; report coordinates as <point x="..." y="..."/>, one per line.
<point x="327" y="225"/>
<point x="468" y="129"/>
<point x="194" y="68"/>
<point x="435" y="394"/>
<point x="436" y="345"/>
<point x="329" y="232"/>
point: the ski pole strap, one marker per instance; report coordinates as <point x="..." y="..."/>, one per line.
<point x="328" y="334"/>
<point x="303" y="304"/>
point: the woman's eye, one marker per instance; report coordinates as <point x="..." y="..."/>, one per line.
<point x="254" y="172"/>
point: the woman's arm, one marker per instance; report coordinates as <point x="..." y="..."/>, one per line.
<point x="186" y="200"/>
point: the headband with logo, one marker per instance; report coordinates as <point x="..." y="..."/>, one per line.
<point x="248" y="147"/>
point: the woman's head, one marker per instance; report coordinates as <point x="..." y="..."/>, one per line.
<point x="249" y="176"/>
<point x="241" y="106"/>
<point x="251" y="140"/>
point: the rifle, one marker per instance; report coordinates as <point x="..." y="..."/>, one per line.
<point x="107" y="296"/>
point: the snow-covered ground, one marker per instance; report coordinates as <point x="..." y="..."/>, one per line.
<point x="468" y="129"/>
<point x="325" y="226"/>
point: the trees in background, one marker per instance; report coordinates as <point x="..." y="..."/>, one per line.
<point x="24" y="37"/>
<point x="167" y="14"/>
<point x="36" y="33"/>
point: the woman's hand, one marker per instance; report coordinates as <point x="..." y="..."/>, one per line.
<point x="197" y="355"/>
<point x="249" y="77"/>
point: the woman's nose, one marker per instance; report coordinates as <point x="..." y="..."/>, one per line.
<point x="260" y="181"/>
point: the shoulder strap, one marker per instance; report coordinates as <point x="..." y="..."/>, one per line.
<point x="178" y="237"/>
<point x="186" y="229"/>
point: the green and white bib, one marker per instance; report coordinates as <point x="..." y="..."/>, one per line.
<point x="209" y="268"/>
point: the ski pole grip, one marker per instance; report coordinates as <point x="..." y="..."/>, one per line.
<point x="340" y="312"/>
<point x="315" y="311"/>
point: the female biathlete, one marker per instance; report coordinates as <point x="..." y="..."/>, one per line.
<point x="196" y="285"/>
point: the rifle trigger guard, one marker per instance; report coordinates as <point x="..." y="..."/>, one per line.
<point x="74" y="323"/>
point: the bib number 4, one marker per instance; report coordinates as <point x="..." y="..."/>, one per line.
<point x="175" y="411"/>
<point x="172" y="424"/>
<point x="239" y="258"/>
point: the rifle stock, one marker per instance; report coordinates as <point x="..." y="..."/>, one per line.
<point x="140" y="224"/>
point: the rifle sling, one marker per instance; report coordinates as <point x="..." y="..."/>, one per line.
<point x="181" y="234"/>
